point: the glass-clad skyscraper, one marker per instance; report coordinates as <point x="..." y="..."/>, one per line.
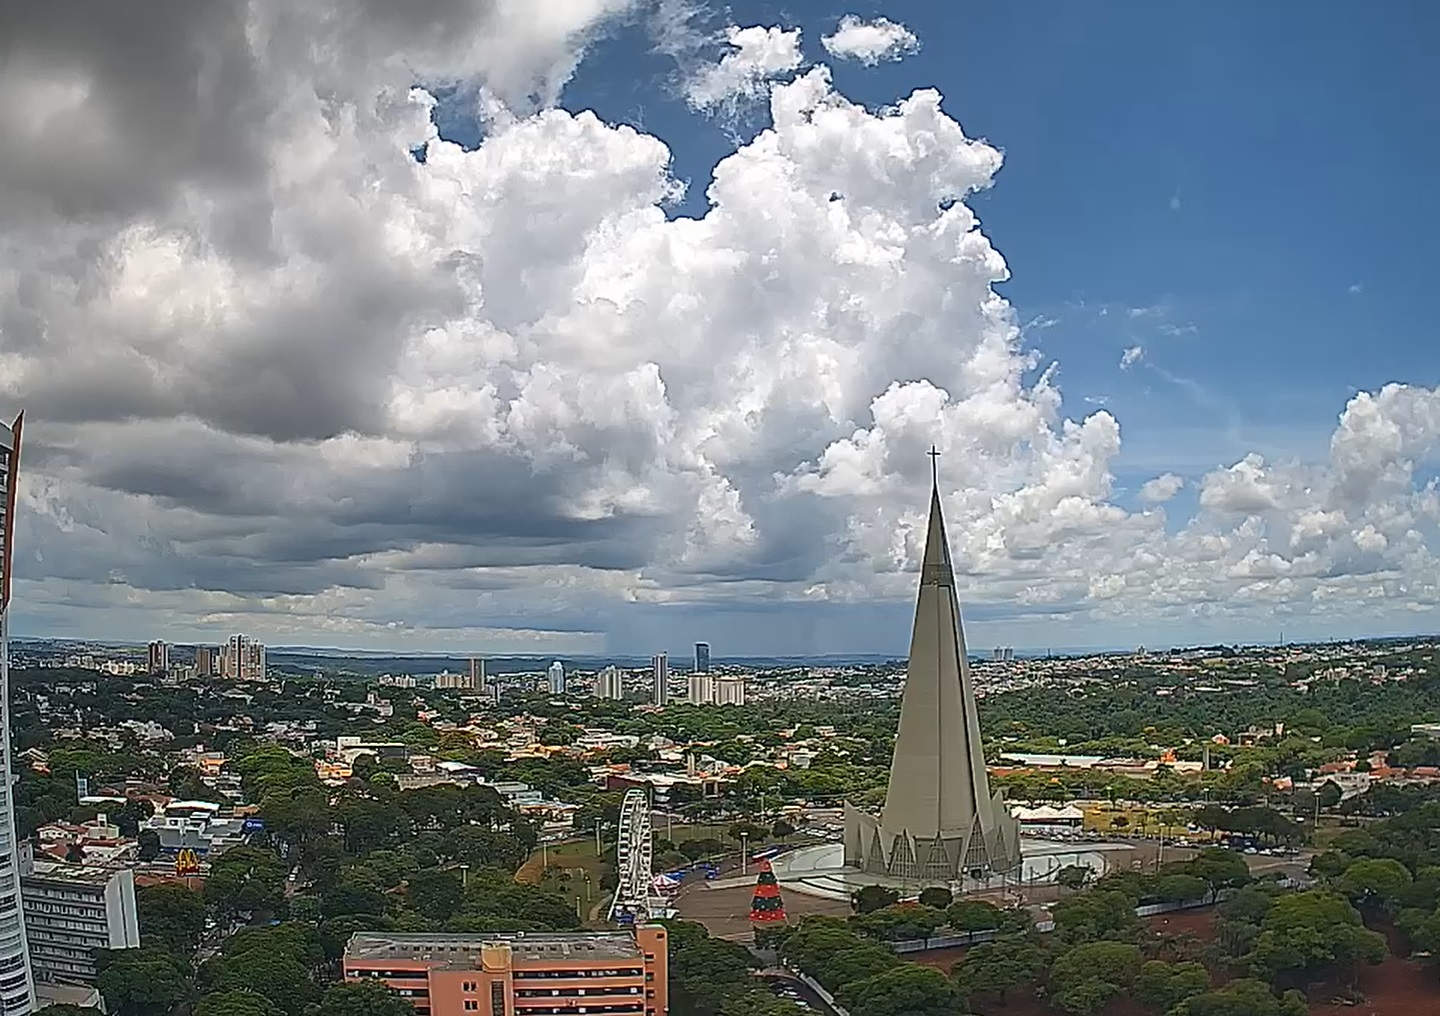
<point x="17" y="986"/>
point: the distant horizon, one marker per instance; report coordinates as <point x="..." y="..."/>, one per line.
<point x="1071" y="651"/>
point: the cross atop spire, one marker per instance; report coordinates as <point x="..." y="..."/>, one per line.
<point x="934" y="454"/>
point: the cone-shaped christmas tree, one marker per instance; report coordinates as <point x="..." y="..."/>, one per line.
<point x="766" y="905"/>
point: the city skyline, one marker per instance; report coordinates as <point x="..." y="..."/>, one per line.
<point x="755" y="263"/>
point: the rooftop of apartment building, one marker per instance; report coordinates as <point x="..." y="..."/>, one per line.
<point x="66" y="871"/>
<point x="463" y="950"/>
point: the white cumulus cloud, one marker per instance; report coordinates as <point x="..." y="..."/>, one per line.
<point x="757" y="56"/>
<point x="1131" y="356"/>
<point x="870" y="42"/>
<point x="1161" y="489"/>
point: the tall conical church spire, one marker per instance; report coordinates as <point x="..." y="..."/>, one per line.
<point x="940" y="818"/>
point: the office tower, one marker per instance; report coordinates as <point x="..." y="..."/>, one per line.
<point x="702" y="657"/>
<point x="940" y="821"/>
<point x="17" y="983"/>
<point x="477" y="674"/>
<point x="610" y="683"/>
<point x="158" y="658"/>
<point x="557" y="678"/>
<point x="729" y="691"/>
<point x="701" y="690"/>
<point x="659" y="679"/>
<point x="243" y="659"/>
<point x="503" y="973"/>
<point x="1009" y="654"/>
<point x="204" y="661"/>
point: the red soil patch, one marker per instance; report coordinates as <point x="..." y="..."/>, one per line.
<point x="1394" y="988"/>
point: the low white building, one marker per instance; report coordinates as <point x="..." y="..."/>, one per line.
<point x="71" y="911"/>
<point x="197" y="826"/>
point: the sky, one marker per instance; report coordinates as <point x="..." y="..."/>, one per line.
<point x="459" y="327"/>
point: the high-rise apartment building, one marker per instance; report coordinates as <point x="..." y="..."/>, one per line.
<point x="72" y="911"/>
<point x="158" y="658"/>
<point x="477" y="674"/>
<point x="243" y="659"/>
<point x="17" y="985"/>
<point x="610" y="683"/>
<point x="511" y="974"/>
<point x="557" y="678"/>
<point x="702" y="657"/>
<point x="729" y="691"/>
<point x="659" y="679"/>
<point x="701" y="690"/>
<point x="204" y="661"/>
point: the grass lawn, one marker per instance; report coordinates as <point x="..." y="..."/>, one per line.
<point x="573" y="872"/>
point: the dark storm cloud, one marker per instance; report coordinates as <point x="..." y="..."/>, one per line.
<point x="109" y="104"/>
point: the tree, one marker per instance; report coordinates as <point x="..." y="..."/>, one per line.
<point x="149" y="841"/>
<point x="246" y="880"/>
<point x="367" y="998"/>
<point x="973" y="915"/>
<point x="1095" y="914"/>
<point x="782" y="829"/>
<point x="993" y="968"/>
<point x="1330" y="794"/>
<point x="906" y="990"/>
<point x="436" y="894"/>
<point x="870" y="898"/>
<point x="1074" y="876"/>
<point x="1375" y="883"/>
<point x="1245" y="997"/>
<point x="171" y="916"/>
<point x="143" y="982"/>
<point x="238" y="1002"/>
<point x="1220" y="868"/>
<point x="936" y="896"/>
<point x="1084" y="979"/>
<point x="1308" y="935"/>
<point x="1162" y="986"/>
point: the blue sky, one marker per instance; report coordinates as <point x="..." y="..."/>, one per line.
<point x="1247" y="194"/>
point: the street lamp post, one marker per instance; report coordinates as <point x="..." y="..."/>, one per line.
<point x="744" y="851"/>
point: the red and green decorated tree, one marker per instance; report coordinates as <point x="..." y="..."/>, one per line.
<point x="766" y="905"/>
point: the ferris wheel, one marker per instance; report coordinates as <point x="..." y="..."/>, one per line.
<point x="635" y="898"/>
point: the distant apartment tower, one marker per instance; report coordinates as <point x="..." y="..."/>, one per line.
<point x="17" y="985"/>
<point x="701" y="690"/>
<point x="71" y="912"/>
<point x="610" y="683"/>
<point x="514" y="973"/>
<point x="659" y="679"/>
<point x="557" y="678"/>
<point x="702" y="657"/>
<point x="477" y="674"/>
<point x="204" y="661"/>
<point x="730" y="691"/>
<point x="158" y="658"/>
<point x="243" y="659"/>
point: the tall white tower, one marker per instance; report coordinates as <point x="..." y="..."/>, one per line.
<point x="17" y="983"/>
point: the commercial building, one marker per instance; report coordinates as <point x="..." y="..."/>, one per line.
<point x="557" y="678"/>
<point x="659" y="679"/>
<point x="940" y="821"/>
<point x="17" y="985"/>
<point x="243" y="659"/>
<point x="197" y="826"/>
<point x="610" y="683"/>
<point x="72" y="910"/>
<point x="702" y="657"/>
<point x="158" y="658"/>
<point x="554" y="974"/>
